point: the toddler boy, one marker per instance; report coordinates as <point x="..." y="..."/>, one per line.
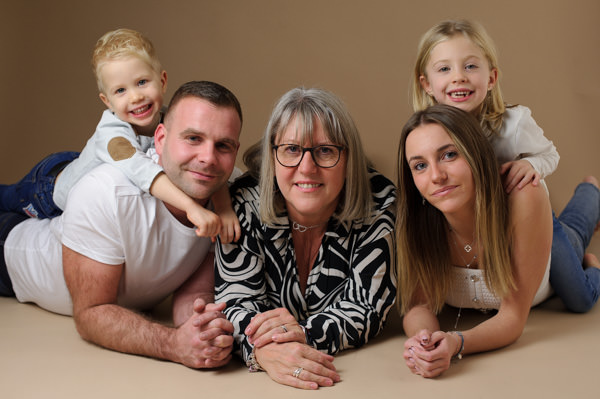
<point x="132" y="84"/>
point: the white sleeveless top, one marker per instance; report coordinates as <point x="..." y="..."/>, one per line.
<point x="469" y="290"/>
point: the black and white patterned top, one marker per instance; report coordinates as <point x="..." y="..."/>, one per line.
<point x="350" y="288"/>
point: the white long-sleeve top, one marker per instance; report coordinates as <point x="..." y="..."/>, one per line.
<point x="521" y="138"/>
<point x="136" y="165"/>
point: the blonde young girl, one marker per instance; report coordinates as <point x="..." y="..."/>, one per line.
<point x="457" y="65"/>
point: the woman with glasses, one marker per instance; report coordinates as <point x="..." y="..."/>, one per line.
<point x="312" y="273"/>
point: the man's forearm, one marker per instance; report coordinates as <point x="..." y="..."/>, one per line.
<point x="120" y="329"/>
<point x="94" y="286"/>
<point x="199" y="285"/>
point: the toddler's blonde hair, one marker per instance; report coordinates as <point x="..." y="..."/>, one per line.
<point x="122" y="43"/>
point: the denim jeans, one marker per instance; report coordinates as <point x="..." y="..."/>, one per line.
<point x="8" y="220"/>
<point x="32" y="196"/>
<point x="577" y="287"/>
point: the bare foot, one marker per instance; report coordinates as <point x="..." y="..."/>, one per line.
<point x="590" y="260"/>
<point x="591" y="180"/>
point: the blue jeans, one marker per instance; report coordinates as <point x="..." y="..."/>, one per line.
<point x="8" y="220"/>
<point x="577" y="287"/>
<point x="32" y="196"/>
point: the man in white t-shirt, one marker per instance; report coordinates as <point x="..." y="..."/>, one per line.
<point x="116" y="250"/>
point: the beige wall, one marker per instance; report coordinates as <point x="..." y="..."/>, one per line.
<point x="361" y="50"/>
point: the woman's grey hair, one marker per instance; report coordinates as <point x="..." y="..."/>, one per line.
<point x="303" y="107"/>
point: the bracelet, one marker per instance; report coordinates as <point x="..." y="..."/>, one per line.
<point x="252" y="363"/>
<point x="459" y="355"/>
<point x="306" y="334"/>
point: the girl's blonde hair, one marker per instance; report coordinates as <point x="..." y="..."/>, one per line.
<point x="493" y="107"/>
<point x="302" y="108"/>
<point x="122" y="43"/>
<point x="424" y="261"/>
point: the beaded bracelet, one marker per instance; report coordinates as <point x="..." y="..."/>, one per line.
<point x="252" y="363"/>
<point x="459" y="355"/>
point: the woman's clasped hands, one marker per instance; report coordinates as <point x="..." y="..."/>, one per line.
<point x="280" y="349"/>
<point x="429" y="354"/>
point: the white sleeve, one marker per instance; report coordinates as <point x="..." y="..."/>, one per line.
<point x="137" y="165"/>
<point x="533" y="146"/>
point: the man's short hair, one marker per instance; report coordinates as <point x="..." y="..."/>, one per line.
<point x="212" y="92"/>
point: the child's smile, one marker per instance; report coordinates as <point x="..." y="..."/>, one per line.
<point x="458" y="74"/>
<point x="134" y="92"/>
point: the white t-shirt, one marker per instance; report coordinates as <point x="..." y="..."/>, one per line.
<point x="109" y="220"/>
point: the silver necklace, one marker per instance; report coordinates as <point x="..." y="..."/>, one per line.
<point x="301" y="228"/>
<point x="467" y="247"/>
<point x="474" y="278"/>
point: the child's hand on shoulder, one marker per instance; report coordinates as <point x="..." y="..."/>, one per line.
<point x="207" y="223"/>
<point x="230" y="226"/>
<point x="518" y="174"/>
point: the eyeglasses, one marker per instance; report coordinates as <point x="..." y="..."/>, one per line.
<point x="324" y="156"/>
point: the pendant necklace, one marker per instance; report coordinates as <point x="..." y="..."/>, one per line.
<point x="467" y="247"/>
<point x="474" y="278"/>
<point x="301" y="228"/>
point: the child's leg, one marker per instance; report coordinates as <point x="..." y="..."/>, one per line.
<point x="578" y="288"/>
<point x="582" y="214"/>
<point x="7" y="222"/>
<point x="32" y="196"/>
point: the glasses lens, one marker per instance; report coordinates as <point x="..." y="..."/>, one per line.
<point x="289" y="154"/>
<point x="326" y="156"/>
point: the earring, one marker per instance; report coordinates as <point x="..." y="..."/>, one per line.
<point x="423" y="200"/>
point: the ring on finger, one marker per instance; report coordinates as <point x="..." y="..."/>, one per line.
<point x="283" y="328"/>
<point x="296" y="373"/>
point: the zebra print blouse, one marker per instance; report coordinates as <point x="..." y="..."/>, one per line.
<point x="350" y="288"/>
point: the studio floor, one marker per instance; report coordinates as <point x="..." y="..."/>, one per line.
<point x="42" y="356"/>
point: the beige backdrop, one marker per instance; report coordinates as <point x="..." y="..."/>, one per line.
<point x="361" y="50"/>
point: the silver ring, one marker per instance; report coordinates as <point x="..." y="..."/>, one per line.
<point x="296" y="373"/>
<point x="284" y="329"/>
